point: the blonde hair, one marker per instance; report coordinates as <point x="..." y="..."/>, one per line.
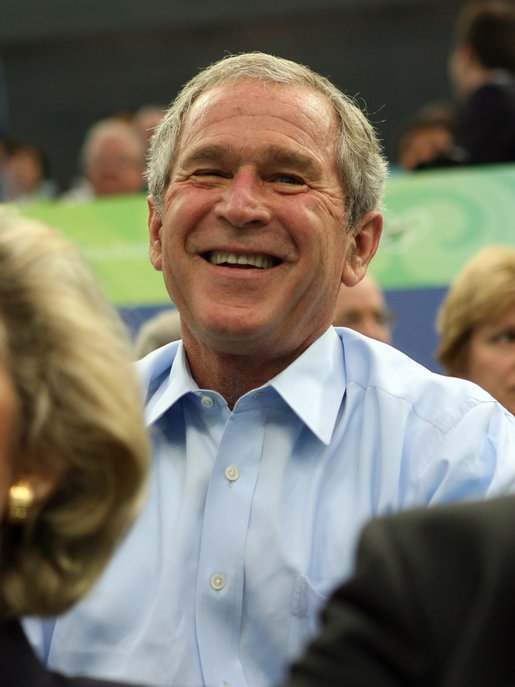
<point x="482" y="292"/>
<point x="80" y="417"/>
<point x="361" y="164"/>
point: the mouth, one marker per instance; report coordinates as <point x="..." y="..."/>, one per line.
<point x="260" y="261"/>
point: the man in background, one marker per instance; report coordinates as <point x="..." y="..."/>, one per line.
<point x="112" y="161"/>
<point x="482" y="73"/>
<point x="362" y="307"/>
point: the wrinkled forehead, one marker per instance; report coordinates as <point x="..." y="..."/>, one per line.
<point x="298" y="111"/>
<point x="262" y="89"/>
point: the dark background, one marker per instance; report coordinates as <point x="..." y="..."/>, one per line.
<point x="70" y="62"/>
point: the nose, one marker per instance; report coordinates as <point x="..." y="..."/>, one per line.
<point x="243" y="203"/>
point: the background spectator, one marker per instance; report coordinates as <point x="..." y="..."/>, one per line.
<point x="362" y="307"/>
<point x="426" y="136"/>
<point x="482" y="73"/>
<point x="73" y="449"/>
<point x="112" y="160"/>
<point x="477" y="324"/>
<point x="146" y="118"/>
<point x="26" y="173"/>
<point x="158" y="331"/>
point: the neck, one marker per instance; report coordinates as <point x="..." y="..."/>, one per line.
<point x="233" y="375"/>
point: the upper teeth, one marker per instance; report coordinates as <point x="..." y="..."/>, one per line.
<point x="217" y="257"/>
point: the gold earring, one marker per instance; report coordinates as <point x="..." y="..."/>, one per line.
<point x="21" y="498"/>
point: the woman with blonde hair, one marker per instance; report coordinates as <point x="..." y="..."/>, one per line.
<point x="73" y="448"/>
<point x="476" y="324"/>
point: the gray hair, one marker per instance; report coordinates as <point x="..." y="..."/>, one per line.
<point x="110" y="127"/>
<point x="361" y="164"/>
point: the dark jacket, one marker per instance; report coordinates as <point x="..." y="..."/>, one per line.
<point x="485" y="129"/>
<point x="19" y="666"/>
<point x="431" y="603"/>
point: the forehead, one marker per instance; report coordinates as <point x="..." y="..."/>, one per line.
<point x="292" y="114"/>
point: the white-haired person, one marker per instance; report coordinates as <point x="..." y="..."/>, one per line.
<point x="112" y="161"/>
<point x="73" y="448"/>
<point x="276" y="435"/>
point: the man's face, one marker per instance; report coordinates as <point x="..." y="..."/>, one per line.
<point x="116" y="167"/>
<point x="252" y="240"/>
<point x="363" y="309"/>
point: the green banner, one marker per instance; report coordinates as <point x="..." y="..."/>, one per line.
<point x="434" y="221"/>
<point x="112" y="234"/>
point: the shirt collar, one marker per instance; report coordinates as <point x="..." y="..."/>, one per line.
<point x="166" y="376"/>
<point x="312" y="386"/>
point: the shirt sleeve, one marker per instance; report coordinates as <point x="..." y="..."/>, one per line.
<point x="473" y="459"/>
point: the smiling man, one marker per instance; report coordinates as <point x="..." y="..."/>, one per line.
<point x="276" y="436"/>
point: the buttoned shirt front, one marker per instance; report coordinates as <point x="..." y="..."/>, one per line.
<point x="253" y="515"/>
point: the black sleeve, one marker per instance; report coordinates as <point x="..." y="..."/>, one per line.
<point x="430" y="603"/>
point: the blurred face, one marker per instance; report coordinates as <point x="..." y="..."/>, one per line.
<point x="491" y="359"/>
<point x="252" y="240"/>
<point x="8" y="407"/>
<point x="459" y="71"/>
<point x="23" y="172"/>
<point x="425" y="145"/>
<point x="115" y="167"/>
<point x="146" y="122"/>
<point x="362" y="308"/>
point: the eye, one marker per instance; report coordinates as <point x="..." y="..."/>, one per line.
<point x="208" y="173"/>
<point x="291" y="179"/>
<point x="505" y="337"/>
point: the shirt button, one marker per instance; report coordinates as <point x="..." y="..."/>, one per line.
<point x="232" y="473"/>
<point x="217" y="581"/>
<point x="207" y="401"/>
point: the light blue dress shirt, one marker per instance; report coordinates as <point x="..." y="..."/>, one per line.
<point x="253" y="515"/>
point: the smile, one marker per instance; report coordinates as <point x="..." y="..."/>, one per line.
<point x="262" y="262"/>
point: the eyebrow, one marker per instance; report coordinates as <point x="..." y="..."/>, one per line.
<point x="272" y="155"/>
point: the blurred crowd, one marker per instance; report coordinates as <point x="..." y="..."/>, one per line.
<point x="111" y="161"/>
<point x="476" y="127"/>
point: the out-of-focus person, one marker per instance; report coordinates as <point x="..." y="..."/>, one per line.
<point x="430" y="603"/>
<point x="482" y="74"/>
<point x="73" y="449"/>
<point x="26" y="173"/>
<point x="112" y="161"/>
<point x="158" y="331"/>
<point x="427" y="136"/>
<point x="146" y="119"/>
<point x="476" y="324"/>
<point x="362" y="307"/>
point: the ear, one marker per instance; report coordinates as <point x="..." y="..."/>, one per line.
<point x="154" y="229"/>
<point x="363" y="243"/>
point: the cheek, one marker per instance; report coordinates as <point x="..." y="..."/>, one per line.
<point x="485" y="366"/>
